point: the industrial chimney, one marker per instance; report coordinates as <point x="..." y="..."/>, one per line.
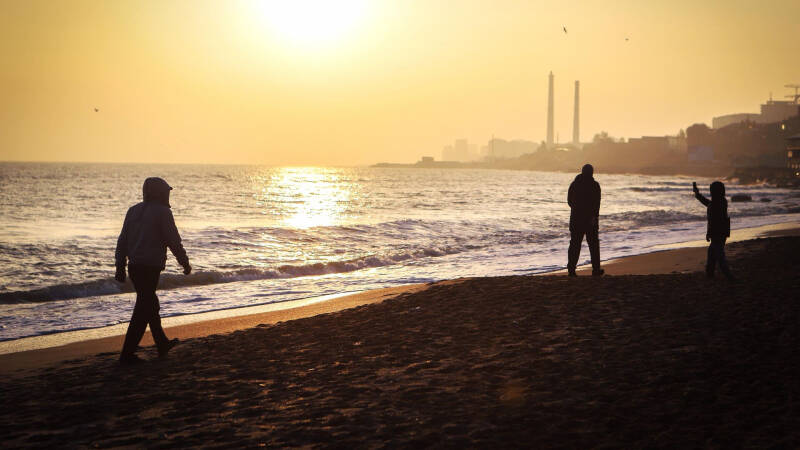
<point x="550" y="113"/>
<point x="576" y="119"/>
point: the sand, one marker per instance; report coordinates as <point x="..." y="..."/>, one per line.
<point x="669" y="360"/>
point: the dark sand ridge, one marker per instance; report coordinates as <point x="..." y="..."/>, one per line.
<point x="672" y="360"/>
<point x="661" y="262"/>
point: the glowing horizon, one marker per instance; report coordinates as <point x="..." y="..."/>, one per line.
<point x="301" y="83"/>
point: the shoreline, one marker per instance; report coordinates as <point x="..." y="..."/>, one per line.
<point x="633" y="361"/>
<point x="690" y="256"/>
<point x="50" y="349"/>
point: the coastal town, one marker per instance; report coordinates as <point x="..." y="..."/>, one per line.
<point x="744" y="147"/>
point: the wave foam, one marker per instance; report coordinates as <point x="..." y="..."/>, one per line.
<point x="107" y="286"/>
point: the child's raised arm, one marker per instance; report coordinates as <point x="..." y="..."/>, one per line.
<point x="698" y="195"/>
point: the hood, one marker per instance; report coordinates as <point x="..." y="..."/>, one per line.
<point x="717" y="190"/>
<point x="156" y="190"/>
<point x="586" y="174"/>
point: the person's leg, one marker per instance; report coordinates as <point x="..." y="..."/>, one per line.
<point x="141" y="314"/>
<point x="574" y="252"/>
<point x="711" y="260"/>
<point x="593" y="240"/>
<point x="154" y="319"/>
<point x="719" y="256"/>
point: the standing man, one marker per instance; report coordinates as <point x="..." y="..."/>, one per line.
<point x="584" y="202"/>
<point x="148" y="230"/>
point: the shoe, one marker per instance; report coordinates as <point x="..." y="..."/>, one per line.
<point x="129" y="360"/>
<point x="598" y="272"/>
<point x="571" y="273"/>
<point x="162" y="352"/>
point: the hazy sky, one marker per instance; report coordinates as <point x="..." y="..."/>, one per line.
<point x="369" y="81"/>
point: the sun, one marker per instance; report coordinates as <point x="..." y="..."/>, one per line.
<point x="313" y="22"/>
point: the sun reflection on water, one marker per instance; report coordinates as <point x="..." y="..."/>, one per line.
<point x="313" y="196"/>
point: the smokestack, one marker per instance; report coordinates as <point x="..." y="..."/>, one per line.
<point x="550" y="112"/>
<point x="576" y="118"/>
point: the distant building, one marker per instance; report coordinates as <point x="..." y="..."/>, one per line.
<point x="503" y="149"/>
<point x="447" y="153"/>
<point x="700" y="154"/>
<point x="793" y="153"/>
<point x="746" y="144"/>
<point x="651" y="141"/>
<point x="426" y="159"/>
<point x="778" y="110"/>
<point x="700" y="144"/>
<point x="660" y="143"/>
<point x="771" y="112"/>
<point x="459" y="151"/>
<point x="730" y="119"/>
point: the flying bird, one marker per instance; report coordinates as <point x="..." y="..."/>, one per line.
<point x="565" y="29"/>
<point x="96" y="110"/>
<point x="626" y="39"/>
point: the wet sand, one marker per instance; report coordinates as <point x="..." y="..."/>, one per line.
<point x="668" y="360"/>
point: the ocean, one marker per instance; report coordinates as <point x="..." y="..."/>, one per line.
<point x="258" y="235"/>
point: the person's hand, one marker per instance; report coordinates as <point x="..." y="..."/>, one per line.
<point x="120" y="275"/>
<point x="694" y="187"/>
<point x="708" y="238"/>
<point x="187" y="269"/>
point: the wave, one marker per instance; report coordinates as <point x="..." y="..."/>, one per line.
<point x="387" y="243"/>
<point x="654" y="217"/>
<point x="659" y="189"/>
<point x="648" y="218"/>
<point x="107" y="286"/>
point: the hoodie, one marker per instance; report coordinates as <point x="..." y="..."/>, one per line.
<point x="719" y="223"/>
<point x="148" y="230"/>
<point x="583" y="199"/>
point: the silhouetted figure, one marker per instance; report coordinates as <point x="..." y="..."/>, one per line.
<point x="148" y="230"/>
<point x="584" y="201"/>
<point x="719" y="227"/>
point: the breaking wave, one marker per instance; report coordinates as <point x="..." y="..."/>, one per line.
<point x="108" y="286"/>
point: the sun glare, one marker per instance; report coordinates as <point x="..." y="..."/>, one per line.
<point x="313" y="22"/>
<point x="314" y="197"/>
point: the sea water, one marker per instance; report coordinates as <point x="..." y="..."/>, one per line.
<point x="259" y="235"/>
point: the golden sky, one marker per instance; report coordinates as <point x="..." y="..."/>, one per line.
<point x="368" y="81"/>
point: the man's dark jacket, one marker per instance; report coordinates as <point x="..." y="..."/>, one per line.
<point x="149" y="229"/>
<point x="584" y="200"/>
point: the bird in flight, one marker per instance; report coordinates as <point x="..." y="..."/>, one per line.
<point x="565" y="29"/>
<point x="96" y="110"/>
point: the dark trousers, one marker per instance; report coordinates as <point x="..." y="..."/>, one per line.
<point x="716" y="255"/>
<point x="145" y="281"/>
<point x="577" y="230"/>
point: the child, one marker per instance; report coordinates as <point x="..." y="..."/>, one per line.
<point x="719" y="227"/>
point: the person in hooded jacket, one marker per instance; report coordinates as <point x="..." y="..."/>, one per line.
<point x="584" y="202"/>
<point x="148" y="230"/>
<point x="719" y="227"/>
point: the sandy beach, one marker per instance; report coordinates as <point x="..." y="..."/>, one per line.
<point x="368" y="224"/>
<point x="661" y="360"/>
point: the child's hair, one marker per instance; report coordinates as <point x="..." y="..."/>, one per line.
<point x="718" y="198"/>
<point x="717" y="191"/>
